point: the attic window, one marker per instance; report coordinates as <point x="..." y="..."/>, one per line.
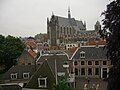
<point x="42" y="82"/>
<point x="82" y="54"/>
<point x="26" y="75"/>
<point x="14" y="76"/>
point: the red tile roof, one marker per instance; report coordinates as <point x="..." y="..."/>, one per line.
<point x="32" y="53"/>
<point x="100" y="42"/>
<point x="30" y="43"/>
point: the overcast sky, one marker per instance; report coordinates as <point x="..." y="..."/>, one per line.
<point x="28" y="17"/>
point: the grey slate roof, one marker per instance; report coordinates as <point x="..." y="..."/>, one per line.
<point x="66" y="22"/>
<point x="11" y="87"/>
<point x="60" y="60"/>
<point x="91" y="52"/>
<point x="19" y="69"/>
<point x="43" y="71"/>
<point x="47" y="69"/>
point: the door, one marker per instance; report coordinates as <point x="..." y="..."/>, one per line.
<point x="104" y="73"/>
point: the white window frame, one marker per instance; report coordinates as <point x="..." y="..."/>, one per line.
<point x="43" y="86"/>
<point x="82" y="54"/>
<point x="13" y="75"/>
<point x="27" y="75"/>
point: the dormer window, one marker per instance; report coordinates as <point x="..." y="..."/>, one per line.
<point x="42" y="82"/>
<point x="14" y="76"/>
<point x="26" y="75"/>
<point x="65" y="65"/>
<point x="82" y="54"/>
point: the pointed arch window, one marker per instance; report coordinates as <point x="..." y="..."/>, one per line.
<point x="70" y="31"/>
<point x="60" y="30"/>
<point x="64" y="30"/>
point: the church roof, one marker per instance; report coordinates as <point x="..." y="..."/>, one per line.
<point x="67" y="22"/>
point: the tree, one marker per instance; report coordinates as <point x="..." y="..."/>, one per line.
<point x="2" y="39"/>
<point x="10" y="48"/>
<point x="111" y="32"/>
<point x="62" y="85"/>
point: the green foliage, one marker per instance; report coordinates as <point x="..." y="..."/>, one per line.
<point x="10" y="48"/>
<point x="2" y="39"/>
<point x="62" y="85"/>
<point x="111" y="32"/>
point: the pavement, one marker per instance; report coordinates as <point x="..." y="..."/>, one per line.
<point x="80" y="83"/>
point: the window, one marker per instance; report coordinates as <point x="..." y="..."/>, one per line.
<point x="14" y="76"/>
<point x="67" y="30"/>
<point x="75" y="63"/>
<point x="76" y="71"/>
<point x="70" y="31"/>
<point x="61" y="73"/>
<point x="82" y="63"/>
<point x="23" y="63"/>
<point x="61" y="31"/>
<point x="104" y="62"/>
<point x="96" y="62"/>
<point x="89" y="62"/>
<point x="42" y="82"/>
<point x="89" y="71"/>
<point x="64" y="30"/>
<point x="82" y="71"/>
<point x="26" y="75"/>
<point x="29" y="63"/>
<point x="96" y="71"/>
<point x="82" y="54"/>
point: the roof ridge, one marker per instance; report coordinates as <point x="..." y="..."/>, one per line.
<point x="74" y="53"/>
<point x="50" y="68"/>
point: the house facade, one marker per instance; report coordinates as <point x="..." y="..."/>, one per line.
<point x="27" y="58"/>
<point x="17" y="75"/>
<point x="91" y="61"/>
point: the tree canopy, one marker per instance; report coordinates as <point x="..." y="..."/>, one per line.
<point x="111" y="32"/>
<point x="10" y="48"/>
<point x="62" y="85"/>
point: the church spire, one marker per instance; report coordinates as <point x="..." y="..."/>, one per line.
<point x="69" y="15"/>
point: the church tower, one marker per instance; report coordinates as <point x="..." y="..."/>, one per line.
<point x="97" y="26"/>
<point x="52" y="30"/>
